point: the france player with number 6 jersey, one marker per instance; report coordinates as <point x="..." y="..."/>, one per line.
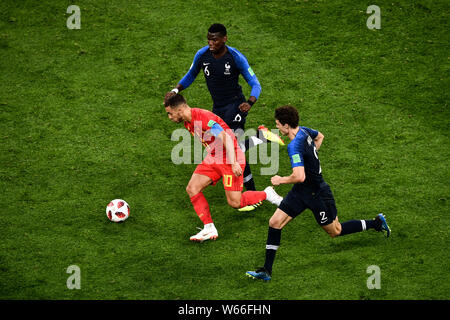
<point x="309" y="191"/>
<point x="222" y="79"/>
<point x="221" y="66"/>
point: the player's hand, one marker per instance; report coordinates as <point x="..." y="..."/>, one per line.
<point x="236" y="168"/>
<point x="168" y="95"/>
<point x="276" y="180"/>
<point x="244" y="107"/>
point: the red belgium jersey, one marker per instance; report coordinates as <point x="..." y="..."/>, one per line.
<point x="200" y="127"/>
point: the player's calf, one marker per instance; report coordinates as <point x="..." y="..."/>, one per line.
<point x="234" y="203"/>
<point x="333" y="229"/>
<point x="352" y="226"/>
<point x="250" y="200"/>
<point x="191" y="190"/>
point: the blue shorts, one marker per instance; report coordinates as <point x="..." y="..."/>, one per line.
<point x="320" y="202"/>
<point x="231" y="114"/>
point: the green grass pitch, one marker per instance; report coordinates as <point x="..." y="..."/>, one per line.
<point x="82" y="123"/>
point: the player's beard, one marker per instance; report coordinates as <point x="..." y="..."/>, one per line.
<point x="217" y="50"/>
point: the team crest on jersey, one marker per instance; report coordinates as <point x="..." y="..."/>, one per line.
<point x="227" y="68"/>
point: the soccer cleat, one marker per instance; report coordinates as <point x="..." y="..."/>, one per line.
<point x="209" y="232"/>
<point x="260" y="274"/>
<point x="250" y="207"/>
<point x="268" y="135"/>
<point x="272" y="196"/>
<point x="382" y="224"/>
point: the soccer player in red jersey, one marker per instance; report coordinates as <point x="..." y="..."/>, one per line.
<point x="225" y="160"/>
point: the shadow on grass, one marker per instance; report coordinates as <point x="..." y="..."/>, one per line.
<point x="351" y="244"/>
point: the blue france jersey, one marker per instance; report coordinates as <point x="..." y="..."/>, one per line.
<point x="302" y="152"/>
<point x="222" y="75"/>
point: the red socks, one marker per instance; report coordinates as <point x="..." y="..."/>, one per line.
<point x="201" y="207"/>
<point x="252" y="197"/>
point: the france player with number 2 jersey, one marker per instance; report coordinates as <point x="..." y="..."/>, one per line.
<point x="309" y="191"/>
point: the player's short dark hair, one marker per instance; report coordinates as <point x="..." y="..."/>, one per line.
<point x="218" y="28"/>
<point x="287" y="115"/>
<point x="174" y="101"/>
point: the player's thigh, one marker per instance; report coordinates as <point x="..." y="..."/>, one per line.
<point x="293" y="203"/>
<point x="232" y="115"/>
<point x="279" y="219"/>
<point x="230" y="181"/>
<point x="197" y="183"/>
<point x="324" y="209"/>
<point x="232" y="185"/>
<point x="238" y="119"/>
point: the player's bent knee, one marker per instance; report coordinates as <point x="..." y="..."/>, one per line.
<point x="234" y="199"/>
<point x="334" y="232"/>
<point x="234" y="203"/>
<point x="275" y="222"/>
<point x="192" y="190"/>
<point x="279" y="219"/>
<point x="333" y="229"/>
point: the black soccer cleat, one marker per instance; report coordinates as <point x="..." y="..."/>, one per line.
<point x="261" y="274"/>
<point x="381" y="224"/>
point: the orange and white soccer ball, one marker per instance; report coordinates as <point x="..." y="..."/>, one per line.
<point x="117" y="210"/>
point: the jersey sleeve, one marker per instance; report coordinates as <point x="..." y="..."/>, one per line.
<point x="247" y="72"/>
<point x="204" y="117"/>
<point x="295" y="155"/>
<point x="215" y="128"/>
<point x="312" y="133"/>
<point x="190" y="76"/>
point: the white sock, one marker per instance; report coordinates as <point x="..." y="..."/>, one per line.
<point x="363" y="224"/>
<point x="209" y="226"/>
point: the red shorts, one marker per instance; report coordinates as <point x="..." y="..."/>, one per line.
<point x="216" y="171"/>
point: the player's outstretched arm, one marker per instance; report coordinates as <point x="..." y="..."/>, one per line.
<point x="173" y="92"/>
<point x="190" y="76"/>
<point x="249" y="76"/>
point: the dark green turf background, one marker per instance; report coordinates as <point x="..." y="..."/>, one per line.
<point x="81" y="123"/>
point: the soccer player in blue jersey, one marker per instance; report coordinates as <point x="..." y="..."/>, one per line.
<point x="310" y="191"/>
<point x="221" y="66"/>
